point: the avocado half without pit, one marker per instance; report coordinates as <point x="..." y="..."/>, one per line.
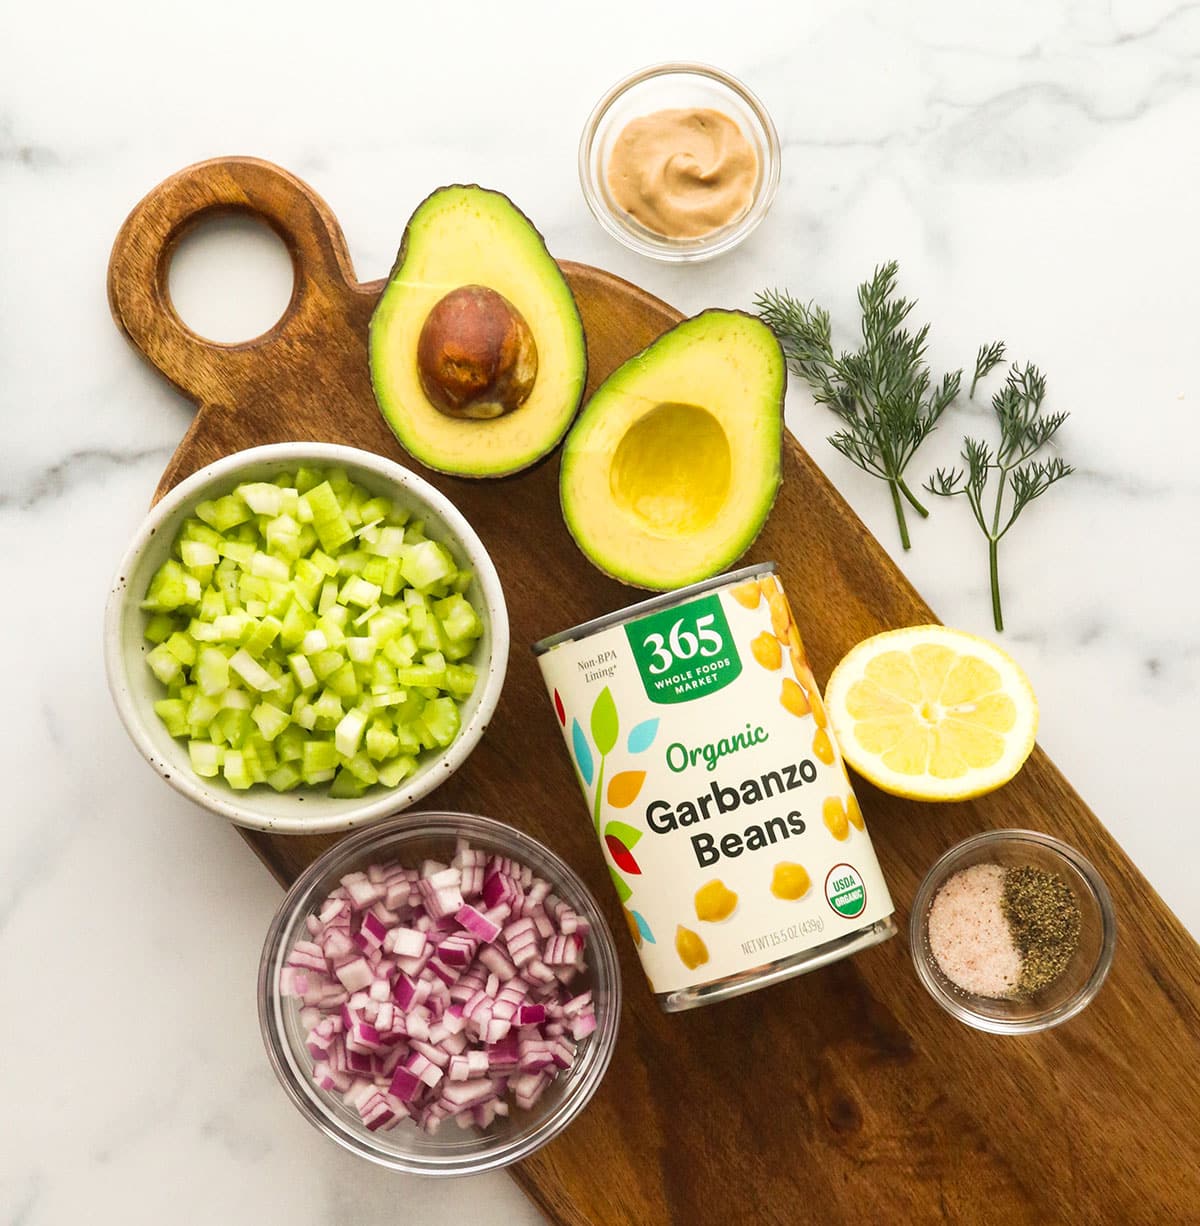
<point x="477" y="351"/>
<point x="674" y="464"/>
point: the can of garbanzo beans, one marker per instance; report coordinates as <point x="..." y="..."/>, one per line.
<point x="720" y="800"/>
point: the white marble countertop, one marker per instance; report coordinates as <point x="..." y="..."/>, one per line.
<point x="1033" y="166"/>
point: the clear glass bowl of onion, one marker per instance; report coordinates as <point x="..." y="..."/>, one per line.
<point x="453" y="1149"/>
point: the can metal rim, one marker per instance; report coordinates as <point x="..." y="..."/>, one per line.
<point x="652" y="605"/>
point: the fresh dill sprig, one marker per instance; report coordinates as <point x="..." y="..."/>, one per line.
<point x="986" y="360"/>
<point x="1022" y="478"/>
<point x="883" y="392"/>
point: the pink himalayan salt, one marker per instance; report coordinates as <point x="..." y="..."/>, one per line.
<point x="969" y="934"/>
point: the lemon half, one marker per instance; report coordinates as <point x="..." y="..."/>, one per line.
<point x="932" y="713"/>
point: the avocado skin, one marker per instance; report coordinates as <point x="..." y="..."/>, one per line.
<point x="483" y="453"/>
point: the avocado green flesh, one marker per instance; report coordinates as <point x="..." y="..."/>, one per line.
<point x="673" y="466"/>
<point x="472" y="236"/>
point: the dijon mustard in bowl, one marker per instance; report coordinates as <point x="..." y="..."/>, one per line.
<point x="679" y="161"/>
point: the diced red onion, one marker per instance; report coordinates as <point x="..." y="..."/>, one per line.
<point x="433" y="993"/>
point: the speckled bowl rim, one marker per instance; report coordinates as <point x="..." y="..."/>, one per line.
<point x="239" y="808"/>
<point x="958" y="1007"/>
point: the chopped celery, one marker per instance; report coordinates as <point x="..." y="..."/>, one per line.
<point x="206" y="758"/>
<point x="284" y="777"/>
<point x="173" y="713"/>
<point x="357" y="590"/>
<point x="289" y="744"/>
<point x="202" y="710"/>
<point x="361" y="650"/>
<point x="234" y="699"/>
<point x="238" y="551"/>
<point x="441" y="718"/>
<point x="270" y="719"/>
<point x="296" y="624"/>
<point x="389" y="543"/>
<point x="198" y="553"/>
<point x="171" y="588"/>
<point x="329" y="595"/>
<point x="317" y="758"/>
<point x="328" y="710"/>
<point x="460" y="679"/>
<point x="264" y="566"/>
<point x="425" y="564"/>
<point x="362" y="768"/>
<point x="224" y="513"/>
<point x="391" y="773"/>
<point x="381" y="741"/>
<point x="349" y="732"/>
<point x="325" y="663"/>
<point x="346" y="786"/>
<point x="182" y="647"/>
<point x="261" y="498"/>
<point x="264" y="634"/>
<point x="344" y="682"/>
<point x="419" y="675"/>
<point x="234" y="770"/>
<point x="458" y="619"/>
<point x="307" y="631"/>
<point x="160" y="627"/>
<point x="195" y="530"/>
<point x="252" y="672"/>
<point x="231" y="726"/>
<point x="302" y="670"/>
<point x="212" y="671"/>
<point x="388" y="698"/>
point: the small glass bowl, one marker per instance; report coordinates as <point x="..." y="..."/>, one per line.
<point x="654" y="89"/>
<point x="410" y="838"/>
<point x="1074" y="989"/>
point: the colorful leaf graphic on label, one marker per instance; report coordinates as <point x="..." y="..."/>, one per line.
<point x="634" y="930"/>
<point x="642" y="737"/>
<point x="623" y="788"/>
<point x="622" y="856"/>
<point x="624" y="893"/>
<point x="604" y="722"/>
<point x="583" y="753"/>
<point x="643" y="927"/>
<point x="559" y="710"/>
<point x="623" y="831"/>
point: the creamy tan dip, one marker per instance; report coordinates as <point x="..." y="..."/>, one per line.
<point x="683" y="172"/>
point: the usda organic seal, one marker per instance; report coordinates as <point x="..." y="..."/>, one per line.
<point x="845" y="891"/>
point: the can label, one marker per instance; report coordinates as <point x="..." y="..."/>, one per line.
<point x="726" y="816"/>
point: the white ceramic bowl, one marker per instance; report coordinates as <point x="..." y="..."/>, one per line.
<point x="135" y="689"/>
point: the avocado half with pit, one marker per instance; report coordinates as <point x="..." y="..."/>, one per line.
<point x="673" y="466"/>
<point x="477" y="351"/>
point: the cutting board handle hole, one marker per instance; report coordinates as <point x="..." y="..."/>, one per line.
<point x="230" y="277"/>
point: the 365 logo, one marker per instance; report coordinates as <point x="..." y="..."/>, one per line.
<point x="684" y="652"/>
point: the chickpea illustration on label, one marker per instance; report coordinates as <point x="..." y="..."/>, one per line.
<point x="716" y="792"/>
<point x="691" y="949"/>
<point x="766" y="650"/>
<point x="790" y="881"/>
<point x="833" y="814"/>
<point x="715" y="902"/>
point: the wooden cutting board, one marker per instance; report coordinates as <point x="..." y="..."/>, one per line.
<point x="844" y="1096"/>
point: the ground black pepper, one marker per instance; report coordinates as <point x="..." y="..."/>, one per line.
<point x="1043" y="915"/>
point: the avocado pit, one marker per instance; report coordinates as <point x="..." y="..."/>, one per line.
<point x="476" y="356"/>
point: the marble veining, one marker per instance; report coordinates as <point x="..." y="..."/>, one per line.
<point x="1034" y="168"/>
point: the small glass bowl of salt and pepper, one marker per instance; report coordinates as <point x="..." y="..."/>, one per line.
<point x="1012" y="931"/>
